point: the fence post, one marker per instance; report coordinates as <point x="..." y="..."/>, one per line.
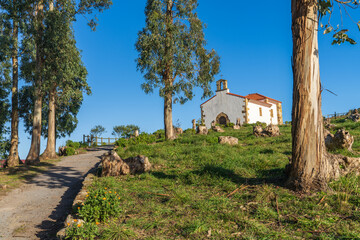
<point x="101" y="140"/>
<point x="109" y="141"/>
<point x="84" y="138"/>
<point x="96" y="140"/>
<point x="335" y="115"/>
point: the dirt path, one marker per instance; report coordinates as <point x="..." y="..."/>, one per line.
<point x="37" y="209"/>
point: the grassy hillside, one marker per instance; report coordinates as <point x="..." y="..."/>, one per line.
<point x="199" y="189"/>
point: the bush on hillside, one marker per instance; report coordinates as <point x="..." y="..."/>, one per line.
<point x="230" y="125"/>
<point x="143" y="138"/>
<point x="159" y="134"/>
<point x="122" y="142"/>
<point x="71" y="144"/>
<point x="189" y="131"/>
<point x="70" y="151"/>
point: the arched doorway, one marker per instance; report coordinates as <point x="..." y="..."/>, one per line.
<point x="222" y="119"/>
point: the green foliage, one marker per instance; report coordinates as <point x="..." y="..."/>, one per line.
<point x="4" y="148"/>
<point x="75" y="145"/>
<point x="70" y="151"/>
<point x="159" y="134"/>
<point x="189" y="131"/>
<point x="100" y="205"/>
<point x="263" y="125"/>
<point x="172" y="54"/>
<point x="143" y="138"/>
<point x="125" y="131"/>
<point x="230" y="125"/>
<point x="122" y="142"/>
<point x="84" y="231"/>
<point x="97" y="131"/>
<point x="326" y="8"/>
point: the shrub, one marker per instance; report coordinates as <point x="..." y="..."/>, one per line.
<point x="82" y="231"/>
<point x="70" y="151"/>
<point x="100" y="205"/>
<point x="75" y="145"/>
<point x="122" y="142"/>
<point x="230" y="125"/>
<point x="143" y="138"/>
<point x="263" y="125"/>
<point x="159" y="134"/>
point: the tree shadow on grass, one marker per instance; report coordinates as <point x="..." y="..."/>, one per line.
<point x="274" y="176"/>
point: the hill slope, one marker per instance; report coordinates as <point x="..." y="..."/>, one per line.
<point x="199" y="189"/>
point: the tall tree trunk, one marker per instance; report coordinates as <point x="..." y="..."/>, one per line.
<point x="168" y="75"/>
<point x="34" y="152"/>
<point x="50" y="151"/>
<point x="169" y="131"/>
<point x="311" y="166"/>
<point x="13" y="159"/>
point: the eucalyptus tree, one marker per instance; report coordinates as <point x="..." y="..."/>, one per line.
<point x="64" y="73"/>
<point x="312" y="167"/>
<point x="125" y="131"/>
<point x="97" y="131"/>
<point x="41" y="67"/>
<point x="13" y="15"/>
<point x="172" y="54"/>
<point x="4" y="104"/>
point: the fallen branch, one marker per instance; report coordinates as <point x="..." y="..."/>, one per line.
<point x="236" y="190"/>
<point x="322" y="199"/>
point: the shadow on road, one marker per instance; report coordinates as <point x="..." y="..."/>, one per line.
<point x="55" y="222"/>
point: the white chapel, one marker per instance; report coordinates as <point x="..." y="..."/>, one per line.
<point x="226" y="107"/>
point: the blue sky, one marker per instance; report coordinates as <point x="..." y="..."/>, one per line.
<point x="253" y="39"/>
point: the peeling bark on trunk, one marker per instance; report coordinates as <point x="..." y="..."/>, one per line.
<point x="169" y="131"/>
<point x="34" y="152"/>
<point x="13" y="159"/>
<point x="50" y="151"/>
<point x="311" y="166"/>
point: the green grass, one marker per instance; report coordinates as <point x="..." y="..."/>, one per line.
<point x="198" y="189"/>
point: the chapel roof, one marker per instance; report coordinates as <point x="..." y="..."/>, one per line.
<point x="259" y="97"/>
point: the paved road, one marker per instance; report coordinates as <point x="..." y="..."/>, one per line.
<point x="37" y="209"/>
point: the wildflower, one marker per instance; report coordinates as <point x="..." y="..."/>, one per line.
<point x="75" y="220"/>
<point x="115" y="192"/>
<point x="119" y="198"/>
<point x="78" y="208"/>
<point x="109" y="191"/>
<point x="106" y="188"/>
<point x="82" y="204"/>
<point x="104" y="198"/>
<point x="87" y="195"/>
<point x="105" y="192"/>
<point x="68" y="224"/>
<point x="97" y="223"/>
<point x="79" y="225"/>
